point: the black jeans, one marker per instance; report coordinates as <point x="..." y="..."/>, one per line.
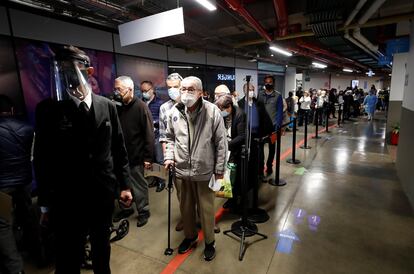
<point x="10" y="259"/>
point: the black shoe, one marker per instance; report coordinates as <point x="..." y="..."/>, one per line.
<point x="160" y="186"/>
<point x="143" y="219"/>
<point x="210" y="251"/>
<point x="187" y="244"/>
<point x="269" y="171"/>
<point x="123" y="214"/>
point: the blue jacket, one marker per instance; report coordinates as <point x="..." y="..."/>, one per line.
<point x="370" y="102"/>
<point x="16" y="138"/>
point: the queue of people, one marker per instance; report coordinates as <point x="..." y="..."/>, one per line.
<point x="89" y="152"/>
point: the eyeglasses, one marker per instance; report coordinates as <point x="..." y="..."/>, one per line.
<point x="189" y="90"/>
<point x="145" y="91"/>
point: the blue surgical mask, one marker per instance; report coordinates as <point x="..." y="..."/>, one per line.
<point x="224" y="113"/>
<point x="174" y="93"/>
<point x="146" y="96"/>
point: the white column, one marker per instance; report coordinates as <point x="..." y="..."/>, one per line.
<point x="290" y="80"/>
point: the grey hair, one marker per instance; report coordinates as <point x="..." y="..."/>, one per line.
<point x="174" y="76"/>
<point x="127" y="81"/>
<point x="195" y="80"/>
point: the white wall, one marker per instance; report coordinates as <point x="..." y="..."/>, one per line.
<point x="216" y="60"/>
<point x="4" y="23"/>
<point x="290" y="80"/>
<point x="317" y="81"/>
<point x="408" y="101"/>
<point x="243" y="63"/>
<point x="399" y="64"/>
<point x="146" y="49"/>
<point x="28" y="25"/>
<point x="180" y="55"/>
<point x="241" y="75"/>
<point x="340" y="81"/>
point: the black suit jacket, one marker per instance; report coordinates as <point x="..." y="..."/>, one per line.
<point x="70" y="163"/>
<point x="265" y="123"/>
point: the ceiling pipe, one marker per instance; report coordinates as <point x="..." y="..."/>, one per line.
<point x="329" y="54"/>
<point x="112" y="7"/>
<point x="237" y="6"/>
<point x="357" y="32"/>
<point x="314" y="56"/>
<point x="282" y="17"/>
<point x="372" y="9"/>
<point x="355" y="12"/>
<point x="353" y="40"/>
<point x="308" y="33"/>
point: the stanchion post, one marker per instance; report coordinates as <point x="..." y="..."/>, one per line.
<point x="339" y="115"/>
<point x="277" y="181"/>
<point x="317" y="124"/>
<point x="305" y="145"/>
<point x="293" y="160"/>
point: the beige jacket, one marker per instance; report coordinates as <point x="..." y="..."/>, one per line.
<point x="198" y="145"/>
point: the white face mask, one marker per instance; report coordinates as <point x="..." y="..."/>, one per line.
<point x="251" y="94"/>
<point x="174" y="93"/>
<point x="188" y="99"/>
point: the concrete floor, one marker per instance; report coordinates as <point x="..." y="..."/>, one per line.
<point x="350" y="183"/>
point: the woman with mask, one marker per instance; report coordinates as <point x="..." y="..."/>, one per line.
<point x="235" y="124"/>
<point x="305" y="103"/>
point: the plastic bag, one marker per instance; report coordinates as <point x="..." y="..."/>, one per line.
<point x="225" y="190"/>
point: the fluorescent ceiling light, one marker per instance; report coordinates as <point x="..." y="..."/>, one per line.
<point x="370" y="73"/>
<point x="207" y="4"/>
<point x="347" y="70"/>
<point x="181" y="67"/>
<point x="319" y="65"/>
<point x="281" y="51"/>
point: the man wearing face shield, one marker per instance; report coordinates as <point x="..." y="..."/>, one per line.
<point x="173" y="82"/>
<point x="197" y="147"/>
<point x="80" y="162"/>
<point x="137" y="126"/>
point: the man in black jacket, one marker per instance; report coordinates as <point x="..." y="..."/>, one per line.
<point x="16" y="139"/>
<point x="137" y="126"/>
<point x="80" y="163"/>
<point x="260" y="125"/>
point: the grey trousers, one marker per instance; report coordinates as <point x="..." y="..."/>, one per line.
<point x="197" y="194"/>
<point x="10" y="258"/>
<point x="139" y="189"/>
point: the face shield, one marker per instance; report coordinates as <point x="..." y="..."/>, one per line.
<point x="71" y="78"/>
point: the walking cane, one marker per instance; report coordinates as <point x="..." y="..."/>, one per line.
<point x="169" y="251"/>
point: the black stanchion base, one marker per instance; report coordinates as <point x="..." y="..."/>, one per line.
<point x="168" y="251"/>
<point x="238" y="228"/>
<point x="307" y="147"/>
<point x="293" y="162"/>
<point x="257" y="215"/>
<point x="316" y="137"/>
<point x="281" y="182"/>
<point x="243" y="229"/>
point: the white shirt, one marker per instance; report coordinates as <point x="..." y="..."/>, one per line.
<point x="305" y="102"/>
<point x="87" y="100"/>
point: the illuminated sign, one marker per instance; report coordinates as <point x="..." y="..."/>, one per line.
<point x="226" y="77"/>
